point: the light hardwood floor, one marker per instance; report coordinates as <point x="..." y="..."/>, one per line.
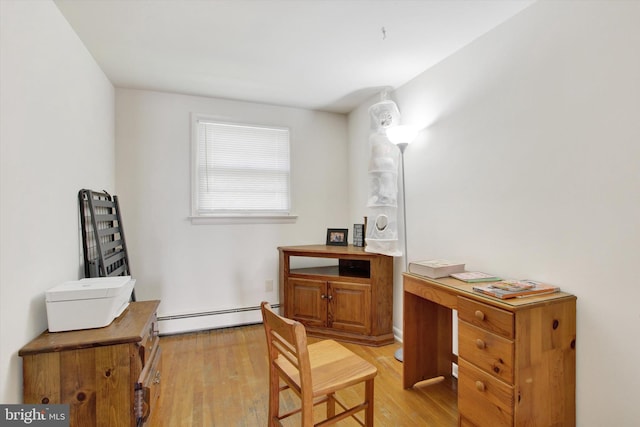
<point x="220" y="378"/>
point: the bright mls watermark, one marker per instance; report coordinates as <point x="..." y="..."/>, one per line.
<point x="34" y="415"/>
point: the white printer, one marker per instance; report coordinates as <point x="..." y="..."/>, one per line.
<point x="87" y="303"/>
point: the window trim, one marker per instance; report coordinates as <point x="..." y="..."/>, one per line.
<point x="215" y="219"/>
<point x="234" y="217"/>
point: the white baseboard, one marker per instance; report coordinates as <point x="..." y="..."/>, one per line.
<point x="397" y="334"/>
<point x="168" y="325"/>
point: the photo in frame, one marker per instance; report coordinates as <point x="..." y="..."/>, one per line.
<point x="337" y="236"/>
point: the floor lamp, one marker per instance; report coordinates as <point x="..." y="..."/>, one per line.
<point x="402" y="136"/>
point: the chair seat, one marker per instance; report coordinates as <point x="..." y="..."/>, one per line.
<point x="333" y="367"/>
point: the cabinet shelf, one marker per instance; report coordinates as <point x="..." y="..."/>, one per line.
<point x="332" y="271"/>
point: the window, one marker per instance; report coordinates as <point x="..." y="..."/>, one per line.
<point x="240" y="169"/>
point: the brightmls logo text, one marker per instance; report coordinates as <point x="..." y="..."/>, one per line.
<point x="34" y="415"/>
<point x="28" y="416"/>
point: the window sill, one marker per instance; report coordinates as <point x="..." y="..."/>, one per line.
<point x="243" y="219"/>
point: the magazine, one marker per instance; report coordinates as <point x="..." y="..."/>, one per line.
<point x="515" y="288"/>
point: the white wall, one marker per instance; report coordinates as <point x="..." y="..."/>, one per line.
<point x="530" y="168"/>
<point x="204" y="268"/>
<point x="56" y="137"/>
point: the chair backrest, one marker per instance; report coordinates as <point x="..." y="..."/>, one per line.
<point x="287" y="347"/>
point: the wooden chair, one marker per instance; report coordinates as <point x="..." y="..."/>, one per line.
<point x="314" y="372"/>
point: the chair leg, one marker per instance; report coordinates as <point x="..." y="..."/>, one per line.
<point x="331" y="405"/>
<point x="307" y="411"/>
<point x="368" y="413"/>
<point x="274" y="398"/>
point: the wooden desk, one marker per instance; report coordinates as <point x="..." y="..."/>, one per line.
<point x="517" y="359"/>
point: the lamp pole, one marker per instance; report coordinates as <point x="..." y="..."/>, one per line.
<point x="402" y="136"/>
<point x="399" y="354"/>
<point x="402" y="147"/>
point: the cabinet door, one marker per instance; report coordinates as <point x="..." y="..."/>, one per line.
<point x="350" y="307"/>
<point x="308" y="301"/>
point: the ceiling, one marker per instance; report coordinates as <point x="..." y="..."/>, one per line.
<point x="326" y="55"/>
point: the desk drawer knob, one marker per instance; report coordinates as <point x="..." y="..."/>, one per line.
<point x="480" y="344"/>
<point x="480" y="386"/>
<point x="479" y="315"/>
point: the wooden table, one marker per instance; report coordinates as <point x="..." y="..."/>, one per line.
<point x="516" y="357"/>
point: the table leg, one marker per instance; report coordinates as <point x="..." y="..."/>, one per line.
<point x="427" y="340"/>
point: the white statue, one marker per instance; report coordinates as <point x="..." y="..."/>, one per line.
<point x="382" y="203"/>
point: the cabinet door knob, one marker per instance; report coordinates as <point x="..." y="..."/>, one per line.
<point x="323" y="296"/>
<point x="480" y="344"/>
<point x="479" y="315"/>
<point x="480" y="386"/>
<point x="330" y="297"/>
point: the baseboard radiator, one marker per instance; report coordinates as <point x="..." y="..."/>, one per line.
<point x="190" y="322"/>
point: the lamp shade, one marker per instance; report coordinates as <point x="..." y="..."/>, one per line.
<point x="402" y="134"/>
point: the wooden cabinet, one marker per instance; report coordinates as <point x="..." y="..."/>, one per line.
<point x="516" y="358"/>
<point x="109" y="376"/>
<point x="350" y="300"/>
<point x="331" y="304"/>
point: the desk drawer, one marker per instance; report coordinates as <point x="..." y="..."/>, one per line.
<point x="488" y="351"/>
<point x="486" y="317"/>
<point x="482" y="399"/>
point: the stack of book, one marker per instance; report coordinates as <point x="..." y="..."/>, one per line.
<point x="505" y="289"/>
<point x="435" y="268"/>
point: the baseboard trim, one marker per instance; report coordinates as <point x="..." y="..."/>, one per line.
<point x="191" y="322"/>
<point x="397" y="334"/>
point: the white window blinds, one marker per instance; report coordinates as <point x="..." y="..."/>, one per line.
<point x="241" y="169"/>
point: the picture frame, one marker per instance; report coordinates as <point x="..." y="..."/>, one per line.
<point x="337" y="236"/>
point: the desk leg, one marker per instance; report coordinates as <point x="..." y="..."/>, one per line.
<point x="426" y="340"/>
